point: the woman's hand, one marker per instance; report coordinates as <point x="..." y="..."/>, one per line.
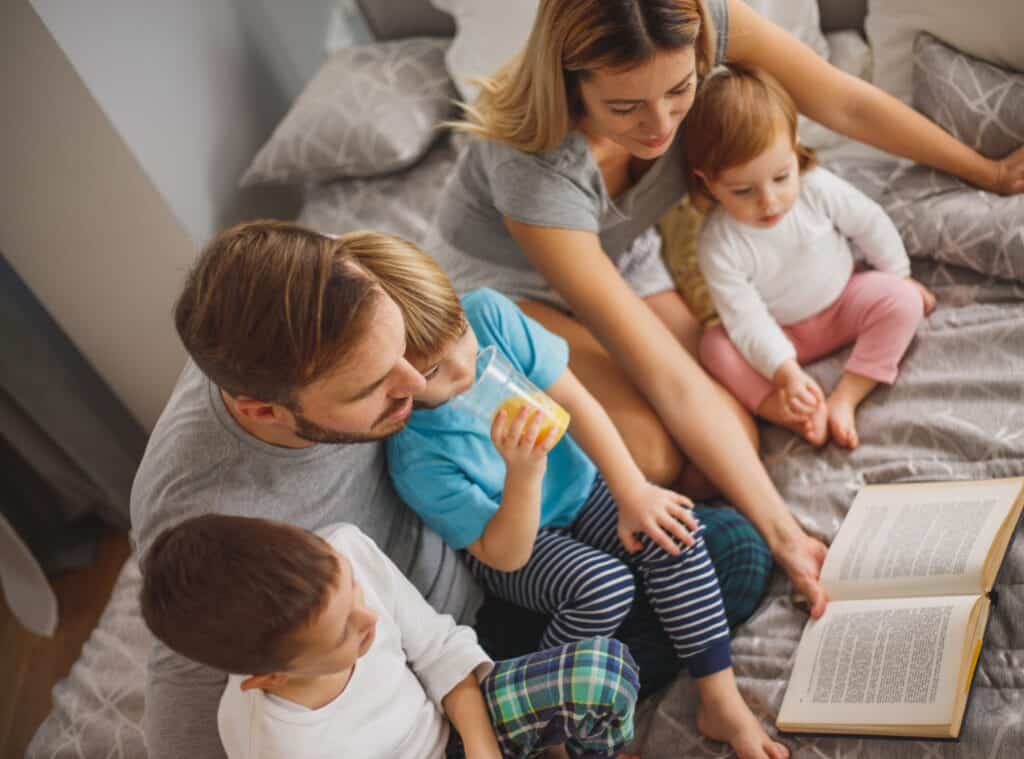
<point x="927" y="296"/>
<point x="1010" y="174"/>
<point x="662" y="514"/>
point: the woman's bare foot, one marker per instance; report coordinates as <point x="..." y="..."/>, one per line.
<point x="841" y="423"/>
<point x="801" y="557"/>
<point x="812" y="428"/>
<point x="724" y="716"/>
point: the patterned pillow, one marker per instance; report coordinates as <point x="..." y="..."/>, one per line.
<point x="371" y="109"/>
<point x="939" y="216"/>
<point x="679" y="227"/>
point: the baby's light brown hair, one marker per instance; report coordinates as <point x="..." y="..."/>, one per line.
<point x="434" y="318"/>
<point x="735" y="117"/>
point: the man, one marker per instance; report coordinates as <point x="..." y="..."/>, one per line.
<point x="297" y="355"/>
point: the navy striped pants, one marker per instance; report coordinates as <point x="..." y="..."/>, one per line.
<point x="583" y="577"/>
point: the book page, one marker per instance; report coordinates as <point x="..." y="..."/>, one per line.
<point x="918" y="539"/>
<point x="862" y="658"/>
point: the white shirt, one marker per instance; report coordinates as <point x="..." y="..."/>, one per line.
<point x="391" y="707"/>
<point x="761" y="278"/>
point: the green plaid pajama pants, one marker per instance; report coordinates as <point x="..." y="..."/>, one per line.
<point x="581" y="694"/>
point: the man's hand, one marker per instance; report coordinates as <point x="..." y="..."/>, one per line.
<point x="801" y="394"/>
<point x="662" y="514"/>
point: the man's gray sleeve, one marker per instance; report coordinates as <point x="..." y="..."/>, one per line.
<point x="182" y="698"/>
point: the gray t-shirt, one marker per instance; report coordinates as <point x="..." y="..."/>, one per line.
<point x="560" y="188"/>
<point x="200" y="461"/>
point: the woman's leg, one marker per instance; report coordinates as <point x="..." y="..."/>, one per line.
<point x="587" y="592"/>
<point x="650" y="443"/>
<point x="582" y="694"/>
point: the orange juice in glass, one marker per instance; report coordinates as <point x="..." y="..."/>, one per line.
<point x="500" y="386"/>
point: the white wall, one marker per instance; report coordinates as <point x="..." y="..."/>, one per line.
<point x="81" y="222"/>
<point x="194" y="87"/>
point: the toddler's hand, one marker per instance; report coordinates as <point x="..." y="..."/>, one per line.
<point x="662" y="514"/>
<point x="926" y="295"/>
<point x="518" y="441"/>
<point x="800" y="393"/>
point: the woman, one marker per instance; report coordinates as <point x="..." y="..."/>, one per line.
<point x="576" y="152"/>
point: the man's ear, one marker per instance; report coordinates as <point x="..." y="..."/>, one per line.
<point x="264" y="682"/>
<point x="258" y="411"/>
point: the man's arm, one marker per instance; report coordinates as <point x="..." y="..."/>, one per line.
<point x="182" y="698"/>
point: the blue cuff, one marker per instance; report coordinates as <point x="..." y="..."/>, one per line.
<point x="714" y="658"/>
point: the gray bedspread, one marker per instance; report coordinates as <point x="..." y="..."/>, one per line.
<point x="956" y="412"/>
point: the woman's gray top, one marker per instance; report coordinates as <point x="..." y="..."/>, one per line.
<point x="558" y="188"/>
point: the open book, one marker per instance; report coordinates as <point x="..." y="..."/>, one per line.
<point x="908" y="579"/>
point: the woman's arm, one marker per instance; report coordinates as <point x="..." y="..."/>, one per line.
<point x="682" y="395"/>
<point x="860" y="110"/>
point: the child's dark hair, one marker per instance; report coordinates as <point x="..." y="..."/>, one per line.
<point x="231" y="592"/>
<point x="735" y="117"/>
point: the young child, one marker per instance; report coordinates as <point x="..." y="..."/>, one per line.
<point x="334" y="653"/>
<point x="775" y="251"/>
<point x="543" y="526"/>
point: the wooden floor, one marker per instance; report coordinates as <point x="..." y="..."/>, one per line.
<point x="31" y="665"/>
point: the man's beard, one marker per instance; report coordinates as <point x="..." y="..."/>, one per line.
<point x="312" y="432"/>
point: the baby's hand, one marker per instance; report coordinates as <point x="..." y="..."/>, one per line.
<point x="518" y="443"/>
<point x="926" y="295"/>
<point x="800" y="393"/>
<point x="662" y="514"/>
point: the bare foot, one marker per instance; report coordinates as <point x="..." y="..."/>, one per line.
<point x="726" y="717"/>
<point x="841" y="423"/>
<point x="801" y="558"/>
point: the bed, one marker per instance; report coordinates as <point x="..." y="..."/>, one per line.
<point x="956" y="413"/>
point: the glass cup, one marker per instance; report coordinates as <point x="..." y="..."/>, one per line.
<point x="500" y="386"/>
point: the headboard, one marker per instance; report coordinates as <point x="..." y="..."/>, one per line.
<point x="394" y="19"/>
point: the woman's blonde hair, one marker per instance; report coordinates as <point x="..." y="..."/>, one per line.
<point x="736" y="115"/>
<point x="433" y="315"/>
<point x="532" y="102"/>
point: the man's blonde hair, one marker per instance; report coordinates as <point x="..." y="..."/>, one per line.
<point x="433" y="315"/>
<point x="533" y="101"/>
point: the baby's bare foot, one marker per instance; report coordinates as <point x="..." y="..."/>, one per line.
<point x="811" y="427"/>
<point x="730" y="720"/>
<point x="841" y="414"/>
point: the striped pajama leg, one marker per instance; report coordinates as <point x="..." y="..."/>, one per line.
<point x="587" y="592"/>
<point x="582" y="694"/>
<point x="683" y="589"/>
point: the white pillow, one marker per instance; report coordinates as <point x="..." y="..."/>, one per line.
<point x="798" y="17"/>
<point x="992" y="30"/>
<point x="487" y="33"/>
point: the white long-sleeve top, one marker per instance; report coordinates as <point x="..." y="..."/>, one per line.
<point x="391" y="707"/>
<point x="762" y="278"/>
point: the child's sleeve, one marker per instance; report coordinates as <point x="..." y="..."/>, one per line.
<point x="440" y="652"/>
<point x="745" y="316"/>
<point x="862" y="221"/>
<point x="443" y="496"/>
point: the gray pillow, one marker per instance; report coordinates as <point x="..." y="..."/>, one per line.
<point x="939" y="216"/>
<point x="371" y="109"/>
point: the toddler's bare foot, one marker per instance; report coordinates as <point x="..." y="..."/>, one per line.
<point x="841" y="423"/>
<point x="728" y="719"/>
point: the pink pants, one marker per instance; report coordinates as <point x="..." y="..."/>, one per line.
<point x="878" y="312"/>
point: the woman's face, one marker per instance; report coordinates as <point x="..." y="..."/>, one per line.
<point x="640" y="108"/>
